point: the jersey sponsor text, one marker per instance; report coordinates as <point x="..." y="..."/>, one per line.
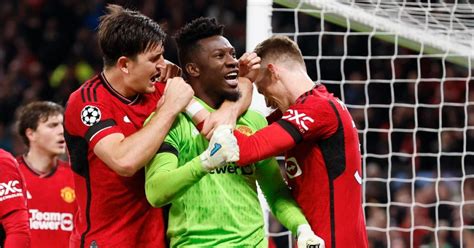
<point x="50" y="220"/>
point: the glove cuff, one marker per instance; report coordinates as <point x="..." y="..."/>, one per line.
<point x="204" y="162"/>
<point x="306" y="228"/>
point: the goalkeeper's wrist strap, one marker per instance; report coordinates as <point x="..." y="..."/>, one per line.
<point x="193" y="109"/>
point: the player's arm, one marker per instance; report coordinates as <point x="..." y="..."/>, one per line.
<point x="282" y="204"/>
<point x="227" y="113"/>
<point x="166" y="181"/>
<point x="278" y="196"/>
<point x="269" y="141"/>
<point x="314" y="121"/>
<point x="16" y="229"/>
<point x="13" y="210"/>
<point x="126" y="155"/>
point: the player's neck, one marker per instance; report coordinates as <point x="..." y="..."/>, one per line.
<point x="40" y="162"/>
<point x="212" y="101"/>
<point x="300" y="84"/>
<point x="115" y="79"/>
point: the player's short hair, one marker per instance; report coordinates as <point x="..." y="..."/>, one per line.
<point x="187" y="37"/>
<point x="279" y="48"/>
<point x="124" y="32"/>
<point x="32" y="114"/>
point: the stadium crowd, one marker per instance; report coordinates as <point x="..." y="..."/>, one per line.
<point x="48" y="48"/>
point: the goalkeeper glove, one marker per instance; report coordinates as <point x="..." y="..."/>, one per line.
<point x="222" y="148"/>
<point x="307" y="238"/>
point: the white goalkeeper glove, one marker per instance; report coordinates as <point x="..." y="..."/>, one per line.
<point x="222" y="148"/>
<point x="307" y="238"/>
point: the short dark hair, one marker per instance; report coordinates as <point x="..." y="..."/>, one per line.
<point x="279" y="47"/>
<point x="30" y="115"/>
<point x="124" y="32"/>
<point x="187" y="37"/>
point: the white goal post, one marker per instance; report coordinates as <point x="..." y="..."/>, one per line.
<point x="404" y="68"/>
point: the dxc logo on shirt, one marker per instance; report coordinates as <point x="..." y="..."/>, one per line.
<point x="10" y="189"/>
<point x="300" y="119"/>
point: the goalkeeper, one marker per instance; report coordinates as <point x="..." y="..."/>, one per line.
<point x="214" y="203"/>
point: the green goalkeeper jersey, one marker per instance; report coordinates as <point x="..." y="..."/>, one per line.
<point x="220" y="208"/>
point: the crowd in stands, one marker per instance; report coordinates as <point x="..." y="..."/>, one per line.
<point x="413" y="130"/>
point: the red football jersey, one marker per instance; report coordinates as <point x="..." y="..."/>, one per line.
<point x="51" y="204"/>
<point x="324" y="168"/>
<point x="13" y="211"/>
<point x="322" y="162"/>
<point x="113" y="210"/>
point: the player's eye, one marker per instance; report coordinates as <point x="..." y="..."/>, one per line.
<point x="155" y="58"/>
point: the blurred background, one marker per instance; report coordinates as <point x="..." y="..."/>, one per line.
<point x="49" y="47"/>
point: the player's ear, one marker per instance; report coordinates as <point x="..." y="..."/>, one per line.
<point x="192" y="69"/>
<point x="30" y="134"/>
<point x="123" y="63"/>
<point x="273" y="71"/>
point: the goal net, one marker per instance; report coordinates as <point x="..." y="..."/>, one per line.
<point x="404" y="68"/>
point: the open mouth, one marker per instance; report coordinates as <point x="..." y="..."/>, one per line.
<point x="231" y="78"/>
<point x="155" y="77"/>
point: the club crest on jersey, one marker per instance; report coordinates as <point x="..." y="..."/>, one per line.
<point x="90" y="115"/>
<point x="68" y="194"/>
<point x="292" y="167"/>
<point x="245" y="130"/>
<point x="300" y="119"/>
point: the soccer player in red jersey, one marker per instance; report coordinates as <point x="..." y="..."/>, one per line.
<point x="107" y="143"/>
<point x="320" y="142"/>
<point x="49" y="182"/>
<point x="108" y="146"/>
<point x="13" y="211"/>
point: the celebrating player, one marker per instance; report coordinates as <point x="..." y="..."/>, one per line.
<point x="13" y="211"/>
<point x="108" y="146"/>
<point x="49" y="181"/>
<point x="316" y="131"/>
<point x="215" y="203"/>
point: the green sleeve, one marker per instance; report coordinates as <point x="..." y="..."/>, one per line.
<point x="278" y="196"/>
<point x="165" y="181"/>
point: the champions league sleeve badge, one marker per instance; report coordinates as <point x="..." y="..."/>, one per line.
<point x="90" y="115"/>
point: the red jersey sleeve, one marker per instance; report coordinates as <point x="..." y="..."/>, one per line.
<point x="13" y="211"/>
<point x="269" y="141"/>
<point x="12" y="189"/>
<point x="17" y="230"/>
<point x="274" y="116"/>
<point x="311" y="119"/>
<point x="91" y="120"/>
